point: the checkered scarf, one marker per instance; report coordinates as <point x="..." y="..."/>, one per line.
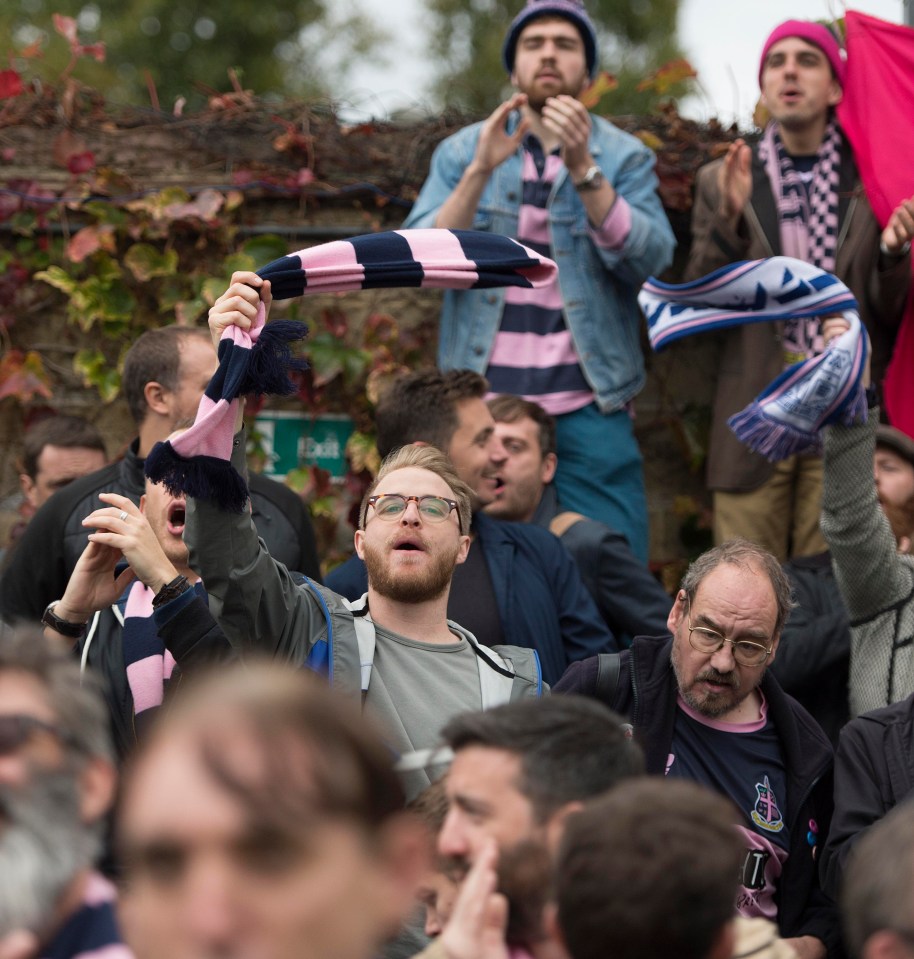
<point x="197" y="463"/>
<point x="808" y="221"/>
<point x="787" y="416"/>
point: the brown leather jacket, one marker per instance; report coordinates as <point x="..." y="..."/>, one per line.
<point x="750" y="357"/>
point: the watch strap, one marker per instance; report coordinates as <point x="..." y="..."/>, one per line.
<point x="170" y="591"/>
<point x="62" y="626"/>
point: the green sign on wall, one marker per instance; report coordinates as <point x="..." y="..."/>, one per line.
<point x="298" y="439"/>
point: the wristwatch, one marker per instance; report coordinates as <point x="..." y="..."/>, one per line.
<point x="592" y="179"/>
<point x="62" y="626"/>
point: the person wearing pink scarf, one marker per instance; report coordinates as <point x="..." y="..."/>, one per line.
<point x="794" y="193"/>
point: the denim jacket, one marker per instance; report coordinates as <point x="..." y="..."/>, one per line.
<point x="599" y="286"/>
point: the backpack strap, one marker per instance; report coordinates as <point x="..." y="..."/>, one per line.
<point x="563" y="522"/>
<point x="365" y="637"/>
<point x="609" y="666"/>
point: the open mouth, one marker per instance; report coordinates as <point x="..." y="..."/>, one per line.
<point x="409" y="546"/>
<point x="177" y="514"/>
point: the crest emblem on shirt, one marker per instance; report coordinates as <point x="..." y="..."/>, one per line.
<point x="766" y="813"/>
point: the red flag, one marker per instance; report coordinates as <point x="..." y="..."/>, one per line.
<point x="878" y="118"/>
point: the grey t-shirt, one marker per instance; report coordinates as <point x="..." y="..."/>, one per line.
<point x="429" y="683"/>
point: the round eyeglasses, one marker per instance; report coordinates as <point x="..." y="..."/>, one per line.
<point x="704" y="640"/>
<point x="434" y="509"/>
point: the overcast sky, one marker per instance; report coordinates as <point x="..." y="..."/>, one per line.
<point x="722" y="39"/>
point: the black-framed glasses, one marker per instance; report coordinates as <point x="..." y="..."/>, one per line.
<point x="434" y="509"/>
<point x="16" y="730"/>
<point x="704" y="640"/>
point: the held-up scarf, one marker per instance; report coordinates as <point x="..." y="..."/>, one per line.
<point x="787" y="416"/>
<point x="197" y="462"/>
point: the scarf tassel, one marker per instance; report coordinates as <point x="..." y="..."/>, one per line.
<point x="199" y="477"/>
<point x="272" y="360"/>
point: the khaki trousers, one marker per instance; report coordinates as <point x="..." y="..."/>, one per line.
<point x="782" y="515"/>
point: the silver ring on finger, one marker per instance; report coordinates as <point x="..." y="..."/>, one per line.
<point x="123" y="516"/>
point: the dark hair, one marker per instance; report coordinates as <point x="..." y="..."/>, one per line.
<point x="155" y="358"/>
<point x="878" y="879"/>
<point x="745" y="555"/>
<point x="570" y="748"/>
<point x="77" y="700"/>
<point x="421" y="407"/>
<point x="648" y="871"/>
<point x="318" y="754"/>
<point x="510" y="409"/>
<point x="67" y="432"/>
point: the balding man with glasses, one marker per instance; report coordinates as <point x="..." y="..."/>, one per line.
<point x="704" y="707"/>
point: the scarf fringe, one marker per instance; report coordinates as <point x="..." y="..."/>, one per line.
<point x="272" y="360"/>
<point x="772" y="439"/>
<point x="200" y="477"/>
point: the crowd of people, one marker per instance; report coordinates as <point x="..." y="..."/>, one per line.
<point x="491" y="733"/>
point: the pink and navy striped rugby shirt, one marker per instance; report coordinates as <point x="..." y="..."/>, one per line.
<point x="534" y="355"/>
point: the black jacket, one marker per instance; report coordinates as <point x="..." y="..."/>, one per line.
<point x="874" y="772"/>
<point x="646" y="694"/>
<point x="630" y="600"/>
<point x="53" y="541"/>
<point x="813" y="657"/>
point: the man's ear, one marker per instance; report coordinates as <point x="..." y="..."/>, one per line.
<point x="142" y="503"/>
<point x="463" y="551"/>
<point x="97" y="784"/>
<point x="156" y="401"/>
<point x="359" y="542"/>
<point x="548" y="468"/>
<point x="29" y="491"/>
<point x="555" y="824"/>
<point x="835" y="93"/>
<point x="676" y="613"/>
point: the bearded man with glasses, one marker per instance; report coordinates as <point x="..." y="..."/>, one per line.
<point x="704" y="707"/>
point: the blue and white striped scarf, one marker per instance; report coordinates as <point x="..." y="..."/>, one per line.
<point x="788" y="415"/>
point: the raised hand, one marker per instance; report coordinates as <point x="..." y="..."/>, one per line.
<point x="495" y="144"/>
<point x="239" y="304"/>
<point x="735" y="181"/>
<point x="568" y="119"/>
<point x="900" y="228"/>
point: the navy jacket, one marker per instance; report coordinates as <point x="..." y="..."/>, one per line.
<point x="540" y="596"/>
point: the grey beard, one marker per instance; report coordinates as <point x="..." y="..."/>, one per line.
<point x="43" y="846"/>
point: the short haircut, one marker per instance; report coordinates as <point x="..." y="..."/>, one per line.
<point x="155" y="358"/>
<point x="510" y="409"/>
<point x="878" y="879"/>
<point x="77" y="700"/>
<point x="748" y="556"/>
<point x="421" y="407"/>
<point x="67" y="432"/>
<point x="425" y="458"/>
<point x="648" y="871"/>
<point x="570" y="748"/>
<point x="316" y="755"/>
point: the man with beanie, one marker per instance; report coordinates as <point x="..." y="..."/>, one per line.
<point x="543" y="170"/>
<point x="794" y="193"/>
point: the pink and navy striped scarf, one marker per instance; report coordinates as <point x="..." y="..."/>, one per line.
<point x="197" y="462"/>
<point x="788" y="415"/>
